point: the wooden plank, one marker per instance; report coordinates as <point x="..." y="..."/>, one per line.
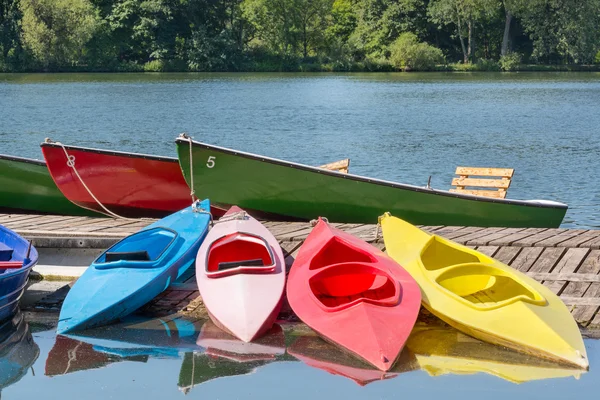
<point x="567" y="264"/>
<point x="570" y="277"/>
<point x="526" y="258"/>
<point x="580" y="240"/>
<point x="17" y="217"/>
<point x="554" y="241"/>
<point x="483" y="193"/>
<point x="486" y="239"/>
<point x="290" y="227"/>
<point x="547" y="259"/>
<point x="484" y="171"/>
<point x="26" y="222"/>
<point x="59" y="225"/>
<point x="510" y="239"/>
<point x="456" y="235"/>
<point x="532" y="240"/>
<point x="581" y="301"/>
<point x="14" y="222"/>
<point x="447" y="230"/>
<point x="339" y="166"/>
<point x="592" y="244"/>
<point x="488" y="250"/>
<point x="507" y="254"/>
<point x="487" y="183"/>
<point x="45" y="222"/>
<point x="576" y="288"/>
<point x="476" y="235"/>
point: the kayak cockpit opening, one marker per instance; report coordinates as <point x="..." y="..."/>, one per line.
<point x="343" y="285"/>
<point x="486" y="287"/>
<point x="239" y="253"/>
<point x="144" y="246"/>
<point x="439" y="253"/>
<point x="337" y="251"/>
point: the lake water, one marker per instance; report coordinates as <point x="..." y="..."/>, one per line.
<point x="160" y="359"/>
<point x="402" y="127"/>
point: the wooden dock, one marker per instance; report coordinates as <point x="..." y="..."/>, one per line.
<point x="565" y="260"/>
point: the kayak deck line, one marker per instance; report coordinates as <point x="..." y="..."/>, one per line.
<point x="565" y="260"/>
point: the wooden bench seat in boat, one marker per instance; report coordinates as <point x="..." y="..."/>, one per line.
<point x="496" y="181"/>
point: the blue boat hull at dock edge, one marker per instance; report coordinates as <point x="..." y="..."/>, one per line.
<point x="14" y="280"/>
<point x="123" y="278"/>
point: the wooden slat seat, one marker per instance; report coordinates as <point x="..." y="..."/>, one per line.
<point x="339" y="166"/>
<point x="472" y="177"/>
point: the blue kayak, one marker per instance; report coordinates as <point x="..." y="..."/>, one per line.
<point x="135" y="270"/>
<point x="17" y="258"/>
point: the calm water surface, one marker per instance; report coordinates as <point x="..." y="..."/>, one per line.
<point x="401" y="127"/>
<point x="162" y="359"/>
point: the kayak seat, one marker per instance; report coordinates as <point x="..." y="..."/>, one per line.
<point x="438" y="254"/>
<point x="5" y="252"/>
<point x="337" y="251"/>
<point x="344" y="284"/>
<point x="486" y="287"/>
<point x="238" y="250"/>
<point x="141" y="255"/>
<point x="258" y="262"/>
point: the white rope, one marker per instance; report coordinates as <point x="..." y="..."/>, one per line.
<point x="240" y="215"/>
<point x="71" y="164"/>
<point x="193" y="192"/>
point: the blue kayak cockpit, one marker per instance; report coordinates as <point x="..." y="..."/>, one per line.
<point x="139" y="250"/>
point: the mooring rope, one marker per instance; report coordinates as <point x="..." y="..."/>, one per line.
<point x="71" y="164"/>
<point x="240" y="215"/>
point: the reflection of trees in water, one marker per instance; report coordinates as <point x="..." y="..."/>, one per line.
<point x="18" y="351"/>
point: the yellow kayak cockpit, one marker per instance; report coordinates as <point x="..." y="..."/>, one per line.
<point x="472" y="278"/>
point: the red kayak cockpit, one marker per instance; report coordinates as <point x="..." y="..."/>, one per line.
<point x="343" y="285"/>
<point x="237" y="253"/>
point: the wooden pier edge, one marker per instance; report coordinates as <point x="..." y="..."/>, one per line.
<point x="567" y="261"/>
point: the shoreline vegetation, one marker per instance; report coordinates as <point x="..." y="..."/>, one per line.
<point x="299" y="35"/>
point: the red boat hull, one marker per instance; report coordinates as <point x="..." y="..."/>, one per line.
<point x="130" y="185"/>
<point x="353" y="295"/>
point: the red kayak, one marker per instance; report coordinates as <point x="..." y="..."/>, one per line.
<point x="128" y="184"/>
<point x="353" y="295"/>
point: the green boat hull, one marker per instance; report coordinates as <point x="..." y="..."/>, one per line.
<point x="27" y="187"/>
<point x="303" y="192"/>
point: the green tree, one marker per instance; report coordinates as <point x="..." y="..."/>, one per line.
<point x="407" y="53"/>
<point x="464" y="15"/>
<point x="56" y="31"/>
<point x="10" y="40"/>
<point x="380" y="22"/>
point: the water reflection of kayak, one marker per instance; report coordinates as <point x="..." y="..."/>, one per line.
<point x="442" y="350"/>
<point x="70" y="355"/>
<point x="225" y="355"/>
<point x="18" y="351"/>
<point x="317" y="353"/>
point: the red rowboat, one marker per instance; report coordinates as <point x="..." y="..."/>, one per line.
<point x="353" y="295"/>
<point x="128" y="184"/>
<point x="240" y="272"/>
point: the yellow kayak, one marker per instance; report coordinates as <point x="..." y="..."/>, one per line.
<point x="440" y="349"/>
<point x="483" y="297"/>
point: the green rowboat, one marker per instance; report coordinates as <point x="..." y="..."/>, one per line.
<point x="26" y="187"/>
<point x="296" y="191"/>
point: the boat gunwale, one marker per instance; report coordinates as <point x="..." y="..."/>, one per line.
<point x="111" y="152"/>
<point x="528" y="203"/>
<point x="22" y="159"/>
